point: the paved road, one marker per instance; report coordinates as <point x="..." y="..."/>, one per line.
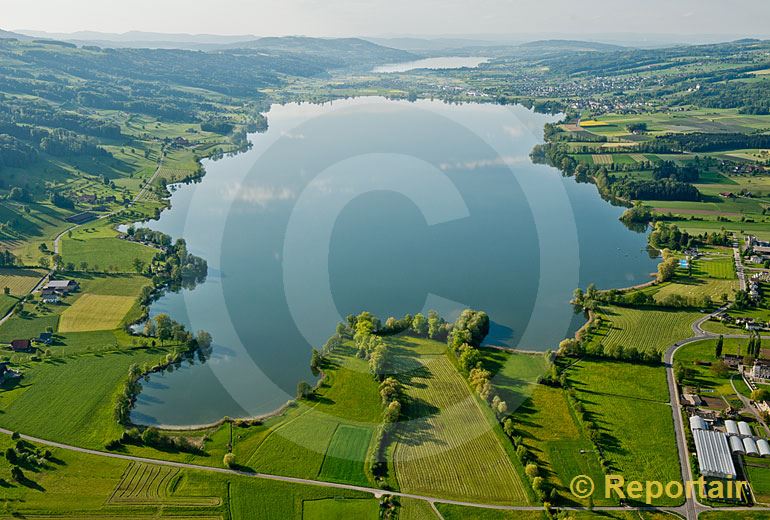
<point x="148" y="184"/>
<point x="739" y="267"/>
<point x="267" y="476"/>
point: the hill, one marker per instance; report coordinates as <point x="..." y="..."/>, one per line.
<point x="334" y="53"/>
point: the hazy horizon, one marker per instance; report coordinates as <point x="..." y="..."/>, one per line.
<point x="495" y="19"/>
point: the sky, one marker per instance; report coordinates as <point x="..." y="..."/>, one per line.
<point x="392" y="17"/>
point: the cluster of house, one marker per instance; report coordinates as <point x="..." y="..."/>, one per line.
<point x="747" y="323"/>
<point x="748" y="169"/>
<point x="755" y="290"/>
<point x="93" y="199"/>
<point x="760" y="249"/>
<point x="27" y="345"/>
<point x="758" y="372"/>
<point x="55" y="289"/>
<point x="716" y="448"/>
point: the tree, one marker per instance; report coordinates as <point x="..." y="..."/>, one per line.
<point x="315" y="362"/>
<point x="138" y="265"/>
<point x="531" y="470"/>
<point x="720" y="368"/>
<point x="56" y="258"/>
<point x="760" y="394"/>
<point x="43" y="262"/>
<point x="203" y="339"/>
<point x="392" y="412"/>
<point x="435" y="324"/>
<point x="667" y="268"/>
<point x="10" y="456"/>
<point x="163" y="327"/>
<point x="17" y="474"/>
<point x="84" y="266"/>
<point x="509" y="427"/>
<point x="718" y="348"/>
<point x="304" y="390"/>
<point x="7" y="290"/>
<point x="420" y="325"/>
<point x="229" y="460"/>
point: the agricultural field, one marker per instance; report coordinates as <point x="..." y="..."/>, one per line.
<point x="646" y="330"/>
<point x="413" y="509"/>
<point x="563" y="452"/>
<point x="758" y="472"/>
<point x="92" y="312"/>
<point x="326" y="508"/>
<point x="602" y="159"/>
<point x="345" y="456"/>
<point x="112" y="488"/>
<point x="455" y="512"/>
<point x="104" y="254"/>
<point x="629" y="404"/>
<point x="148" y="484"/>
<point x="327" y="437"/>
<point x="21" y="281"/>
<point x="447" y="445"/>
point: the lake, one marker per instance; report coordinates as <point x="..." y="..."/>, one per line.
<point x="443" y="62"/>
<point x="392" y="207"/>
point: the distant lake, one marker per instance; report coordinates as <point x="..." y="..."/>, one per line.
<point x="444" y="62"/>
<point x="387" y="206"/>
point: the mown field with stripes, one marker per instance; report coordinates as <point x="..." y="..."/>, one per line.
<point x="447" y="445"/>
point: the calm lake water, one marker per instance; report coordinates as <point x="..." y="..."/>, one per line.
<point x="443" y="62"/>
<point x="392" y="207"/>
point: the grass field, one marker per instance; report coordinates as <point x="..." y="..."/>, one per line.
<point x="345" y="456"/>
<point x="647" y="329"/>
<point x="104" y="254"/>
<point x="564" y="452"/>
<point x="413" y="509"/>
<point x="327" y="508"/>
<point x="95" y="312"/>
<point x="694" y="288"/>
<point x="311" y="440"/>
<point x="447" y="445"/>
<point x="70" y="399"/>
<point x="629" y="403"/>
<point x="759" y="477"/>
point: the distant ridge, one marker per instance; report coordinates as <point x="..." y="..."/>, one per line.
<point x="348" y="52"/>
<point x="5" y="35"/>
<point x="572" y="45"/>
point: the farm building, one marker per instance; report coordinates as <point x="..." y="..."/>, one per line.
<point x="63" y="286"/>
<point x="744" y="429"/>
<point x="714" y="456"/>
<point x="45" y="338"/>
<point x="736" y="446"/>
<point x="21" y="345"/>
<point x="750" y="447"/>
<point x="731" y="427"/>
<point x="697" y="423"/>
<point x="50" y="298"/>
<point x="7" y="373"/>
<point x="764" y="448"/>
